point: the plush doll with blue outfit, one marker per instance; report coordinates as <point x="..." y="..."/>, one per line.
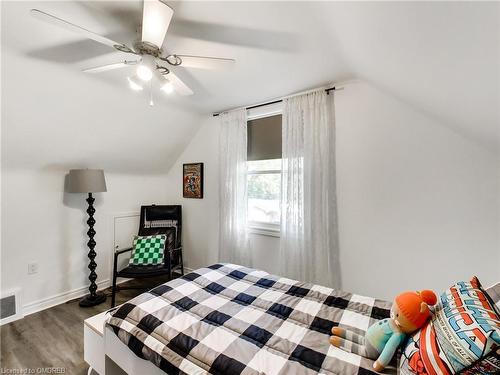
<point x="409" y="313"/>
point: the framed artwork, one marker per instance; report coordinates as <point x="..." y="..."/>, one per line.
<point x="192" y="180"/>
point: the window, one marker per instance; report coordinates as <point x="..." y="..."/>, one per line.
<point x="264" y="194"/>
<point x="264" y="175"/>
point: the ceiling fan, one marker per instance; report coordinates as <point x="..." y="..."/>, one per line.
<point x="150" y="59"/>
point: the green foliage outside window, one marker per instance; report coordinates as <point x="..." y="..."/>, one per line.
<point x="264" y="186"/>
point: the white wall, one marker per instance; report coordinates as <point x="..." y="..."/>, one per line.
<point x="41" y="223"/>
<point x="417" y="201"/>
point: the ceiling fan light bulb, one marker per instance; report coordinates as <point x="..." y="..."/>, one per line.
<point x="144" y="73"/>
<point x="168" y="88"/>
<point x="134" y="85"/>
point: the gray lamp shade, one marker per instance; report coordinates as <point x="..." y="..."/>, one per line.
<point x="86" y="181"/>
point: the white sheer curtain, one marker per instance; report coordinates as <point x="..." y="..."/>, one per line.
<point x="309" y="234"/>
<point x="233" y="237"/>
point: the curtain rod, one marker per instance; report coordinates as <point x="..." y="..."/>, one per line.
<point x="279" y="101"/>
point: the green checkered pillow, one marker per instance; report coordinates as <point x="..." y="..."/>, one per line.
<point x="148" y="250"/>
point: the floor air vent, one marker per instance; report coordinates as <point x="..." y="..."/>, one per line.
<point x="9" y="308"/>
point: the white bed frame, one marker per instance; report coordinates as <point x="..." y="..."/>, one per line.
<point x="107" y="355"/>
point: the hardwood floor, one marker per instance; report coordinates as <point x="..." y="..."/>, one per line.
<point x="53" y="338"/>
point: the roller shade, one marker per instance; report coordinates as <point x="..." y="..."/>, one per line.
<point x="264" y="138"/>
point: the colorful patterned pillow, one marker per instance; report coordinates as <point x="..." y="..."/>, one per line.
<point x="463" y="334"/>
<point x="488" y="365"/>
<point x="148" y="250"/>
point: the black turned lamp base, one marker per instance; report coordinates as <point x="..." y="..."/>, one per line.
<point x="89" y="301"/>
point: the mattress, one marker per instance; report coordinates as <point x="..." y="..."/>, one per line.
<point x="228" y="319"/>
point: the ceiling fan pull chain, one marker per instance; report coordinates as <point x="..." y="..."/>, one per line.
<point x="151" y="103"/>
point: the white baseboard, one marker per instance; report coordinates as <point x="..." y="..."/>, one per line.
<point x="12" y="318"/>
<point x="57" y="299"/>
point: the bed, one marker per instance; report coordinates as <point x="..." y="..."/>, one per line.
<point x="228" y="319"/>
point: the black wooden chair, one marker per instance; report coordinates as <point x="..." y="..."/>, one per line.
<point x="155" y="220"/>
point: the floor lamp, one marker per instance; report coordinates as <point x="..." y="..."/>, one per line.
<point x="89" y="181"/>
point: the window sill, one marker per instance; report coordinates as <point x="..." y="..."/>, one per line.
<point x="264" y="231"/>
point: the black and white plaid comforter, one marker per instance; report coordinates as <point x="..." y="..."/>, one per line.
<point x="227" y="319"/>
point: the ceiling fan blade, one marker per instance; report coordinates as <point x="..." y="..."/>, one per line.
<point x="206" y="62"/>
<point x="80" y="30"/>
<point x="156" y="17"/>
<point x="180" y="87"/>
<point x="104" y="68"/>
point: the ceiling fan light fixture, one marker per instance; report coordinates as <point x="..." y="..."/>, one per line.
<point x="144" y="73"/>
<point x="134" y="84"/>
<point x="145" y="69"/>
<point x="168" y="88"/>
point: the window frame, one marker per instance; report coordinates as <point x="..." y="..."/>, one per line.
<point x="258" y="227"/>
<point x="261" y="227"/>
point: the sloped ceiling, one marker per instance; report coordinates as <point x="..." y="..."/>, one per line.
<point x="441" y="58"/>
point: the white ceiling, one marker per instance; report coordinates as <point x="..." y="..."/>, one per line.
<point x="441" y="58"/>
